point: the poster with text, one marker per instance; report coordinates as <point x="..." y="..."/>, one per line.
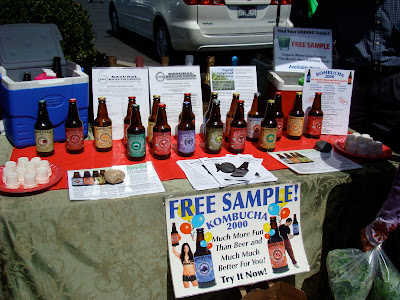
<point x="226" y="239"/>
<point x="336" y="87"/>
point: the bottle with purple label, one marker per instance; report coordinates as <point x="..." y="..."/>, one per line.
<point x="203" y="263"/>
<point x="186" y="131"/>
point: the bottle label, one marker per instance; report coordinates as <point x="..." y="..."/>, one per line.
<point x="314" y="125"/>
<point x="295" y="228"/>
<point x="44" y="140"/>
<point x="237" y="138"/>
<point x="150" y="133"/>
<point x="136" y="145"/>
<point x="204" y="268"/>
<point x="175" y="239"/>
<point x="103" y="136"/>
<point x="277" y="254"/>
<point x="162" y="143"/>
<point x="214" y="138"/>
<point x="268" y="138"/>
<point x="279" y="127"/>
<point x="186" y="141"/>
<point x="295" y="126"/>
<point x="88" y="180"/>
<point x="77" y="181"/>
<point x="253" y="127"/>
<point x="74" y="138"/>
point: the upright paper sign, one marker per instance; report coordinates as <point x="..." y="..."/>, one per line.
<point x="227" y="239"/>
<point x="297" y="49"/>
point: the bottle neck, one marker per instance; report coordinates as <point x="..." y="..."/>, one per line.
<point x="161" y="116"/>
<point x="278" y="103"/>
<point x="187" y="114"/>
<point x="154" y="108"/>
<point x="254" y="105"/>
<point x="102" y="111"/>
<point x="42" y="113"/>
<point x="233" y="104"/>
<point x="317" y="103"/>
<point x="270" y="112"/>
<point x="73" y="111"/>
<point x="239" y="112"/>
<point x="215" y="112"/>
<point x="135" y="118"/>
<point x="298" y="105"/>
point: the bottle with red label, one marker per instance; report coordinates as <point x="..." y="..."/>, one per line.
<point x="186" y="131"/>
<point x="74" y="139"/>
<point x="127" y="119"/>
<point x="279" y="115"/>
<point x="315" y="116"/>
<point x="174" y="235"/>
<point x="161" y="134"/>
<point x="254" y="118"/>
<point x="296" y="118"/>
<point x="230" y="114"/>
<point x="267" y="139"/>
<point x="152" y="119"/>
<point x="237" y="130"/>
<point x="276" y="249"/>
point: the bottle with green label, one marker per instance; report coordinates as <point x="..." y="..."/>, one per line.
<point x="136" y="138"/>
<point x="44" y="135"/>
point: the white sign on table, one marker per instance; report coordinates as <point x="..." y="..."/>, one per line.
<point x="228" y="80"/>
<point x="171" y="83"/>
<point x="237" y="228"/>
<point x="336" y="87"/>
<point x="297" y="49"/>
<point x="117" y="84"/>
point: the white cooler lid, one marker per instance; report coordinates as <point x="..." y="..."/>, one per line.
<point x="29" y="45"/>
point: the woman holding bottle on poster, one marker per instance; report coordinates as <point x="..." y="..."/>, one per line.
<point x="186" y="257"/>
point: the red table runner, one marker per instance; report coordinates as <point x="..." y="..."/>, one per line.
<point x="166" y="169"/>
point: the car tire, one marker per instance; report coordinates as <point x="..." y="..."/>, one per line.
<point x="162" y="40"/>
<point x="114" y="20"/>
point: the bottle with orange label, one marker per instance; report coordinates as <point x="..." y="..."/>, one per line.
<point x="74" y="138"/>
<point x="174" y="235"/>
<point x="103" y="128"/>
<point x="296" y="118"/>
<point x="314" y="119"/>
<point x="237" y="130"/>
<point x="276" y="249"/>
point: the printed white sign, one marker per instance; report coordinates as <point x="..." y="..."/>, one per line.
<point x="297" y="49"/>
<point x="226" y="239"/>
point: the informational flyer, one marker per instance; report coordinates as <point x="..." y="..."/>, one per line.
<point x="311" y="161"/>
<point x="117" y="84"/>
<point x="336" y="87"/>
<point x="297" y="49"/>
<point x="171" y="83"/>
<point x="90" y="184"/>
<point x="228" y="80"/>
<point x="226" y="239"/>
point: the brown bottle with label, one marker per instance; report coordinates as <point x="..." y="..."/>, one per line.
<point x="229" y="114"/>
<point x="269" y="126"/>
<point x="237" y="130"/>
<point x="44" y="134"/>
<point x="174" y="235"/>
<point x="186" y="131"/>
<point x="88" y="178"/>
<point x="77" y="179"/>
<point x="188" y="98"/>
<point x="276" y="249"/>
<point x="102" y="128"/>
<point x="296" y="118"/>
<point x="314" y="118"/>
<point x="127" y="119"/>
<point x="279" y="115"/>
<point x="214" y="130"/>
<point x="152" y="119"/>
<point x="74" y="139"/>
<point x="254" y="118"/>
<point x="136" y="138"/>
<point x="214" y="96"/>
<point x="161" y="135"/>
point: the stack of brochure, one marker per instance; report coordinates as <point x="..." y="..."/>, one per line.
<point x="206" y="173"/>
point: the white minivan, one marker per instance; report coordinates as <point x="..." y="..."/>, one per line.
<point x="201" y="25"/>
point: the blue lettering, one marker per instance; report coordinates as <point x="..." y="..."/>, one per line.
<point x="209" y="204"/>
<point x="226" y="201"/>
<point x="238" y="201"/>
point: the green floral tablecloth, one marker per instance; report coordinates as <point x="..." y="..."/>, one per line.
<point x="51" y="248"/>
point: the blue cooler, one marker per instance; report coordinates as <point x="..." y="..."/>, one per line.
<point x="31" y="48"/>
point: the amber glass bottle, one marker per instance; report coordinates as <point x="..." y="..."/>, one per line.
<point x="188" y="98"/>
<point x="314" y="119"/>
<point x="276" y="249"/>
<point x="152" y="119"/>
<point x="136" y="139"/>
<point x="44" y="134"/>
<point x="254" y="118"/>
<point x="127" y="119"/>
<point x="269" y="125"/>
<point x="214" y="96"/>
<point x="186" y="131"/>
<point x="203" y="262"/>
<point x="296" y="119"/>
<point x="229" y="114"/>
<point x="161" y="135"/>
<point x="74" y="139"/>
<point x="279" y="115"/>
<point x="103" y="128"/>
<point x="237" y="130"/>
<point x="214" y="130"/>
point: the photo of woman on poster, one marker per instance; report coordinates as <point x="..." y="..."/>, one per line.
<point x="186" y="257"/>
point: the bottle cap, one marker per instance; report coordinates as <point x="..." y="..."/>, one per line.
<point x="161" y="105"/>
<point x="270" y="101"/>
<point x="72" y="100"/>
<point x="188" y="94"/>
<point x="257" y="94"/>
<point x="278" y="93"/>
<point x="236" y="94"/>
<point x="135" y="106"/>
<point x="189" y="59"/>
<point x="299" y="93"/>
<point x="318" y="93"/>
<point x="156" y="96"/>
<point x="102" y="98"/>
<point x="214" y="93"/>
<point x="240" y="101"/>
<point x="131" y="97"/>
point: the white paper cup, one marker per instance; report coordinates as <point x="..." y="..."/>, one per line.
<point x="42" y="175"/>
<point x="31" y="167"/>
<point x="362" y="149"/>
<point x="21" y="173"/>
<point x="12" y="181"/>
<point x="352" y="147"/>
<point x="22" y="161"/>
<point x="45" y="164"/>
<point x="6" y="170"/>
<point x="36" y="160"/>
<point x="11" y="164"/>
<point x="371" y="149"/>
<point x="30" y="180"/>
<point x="378" y="148"/>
